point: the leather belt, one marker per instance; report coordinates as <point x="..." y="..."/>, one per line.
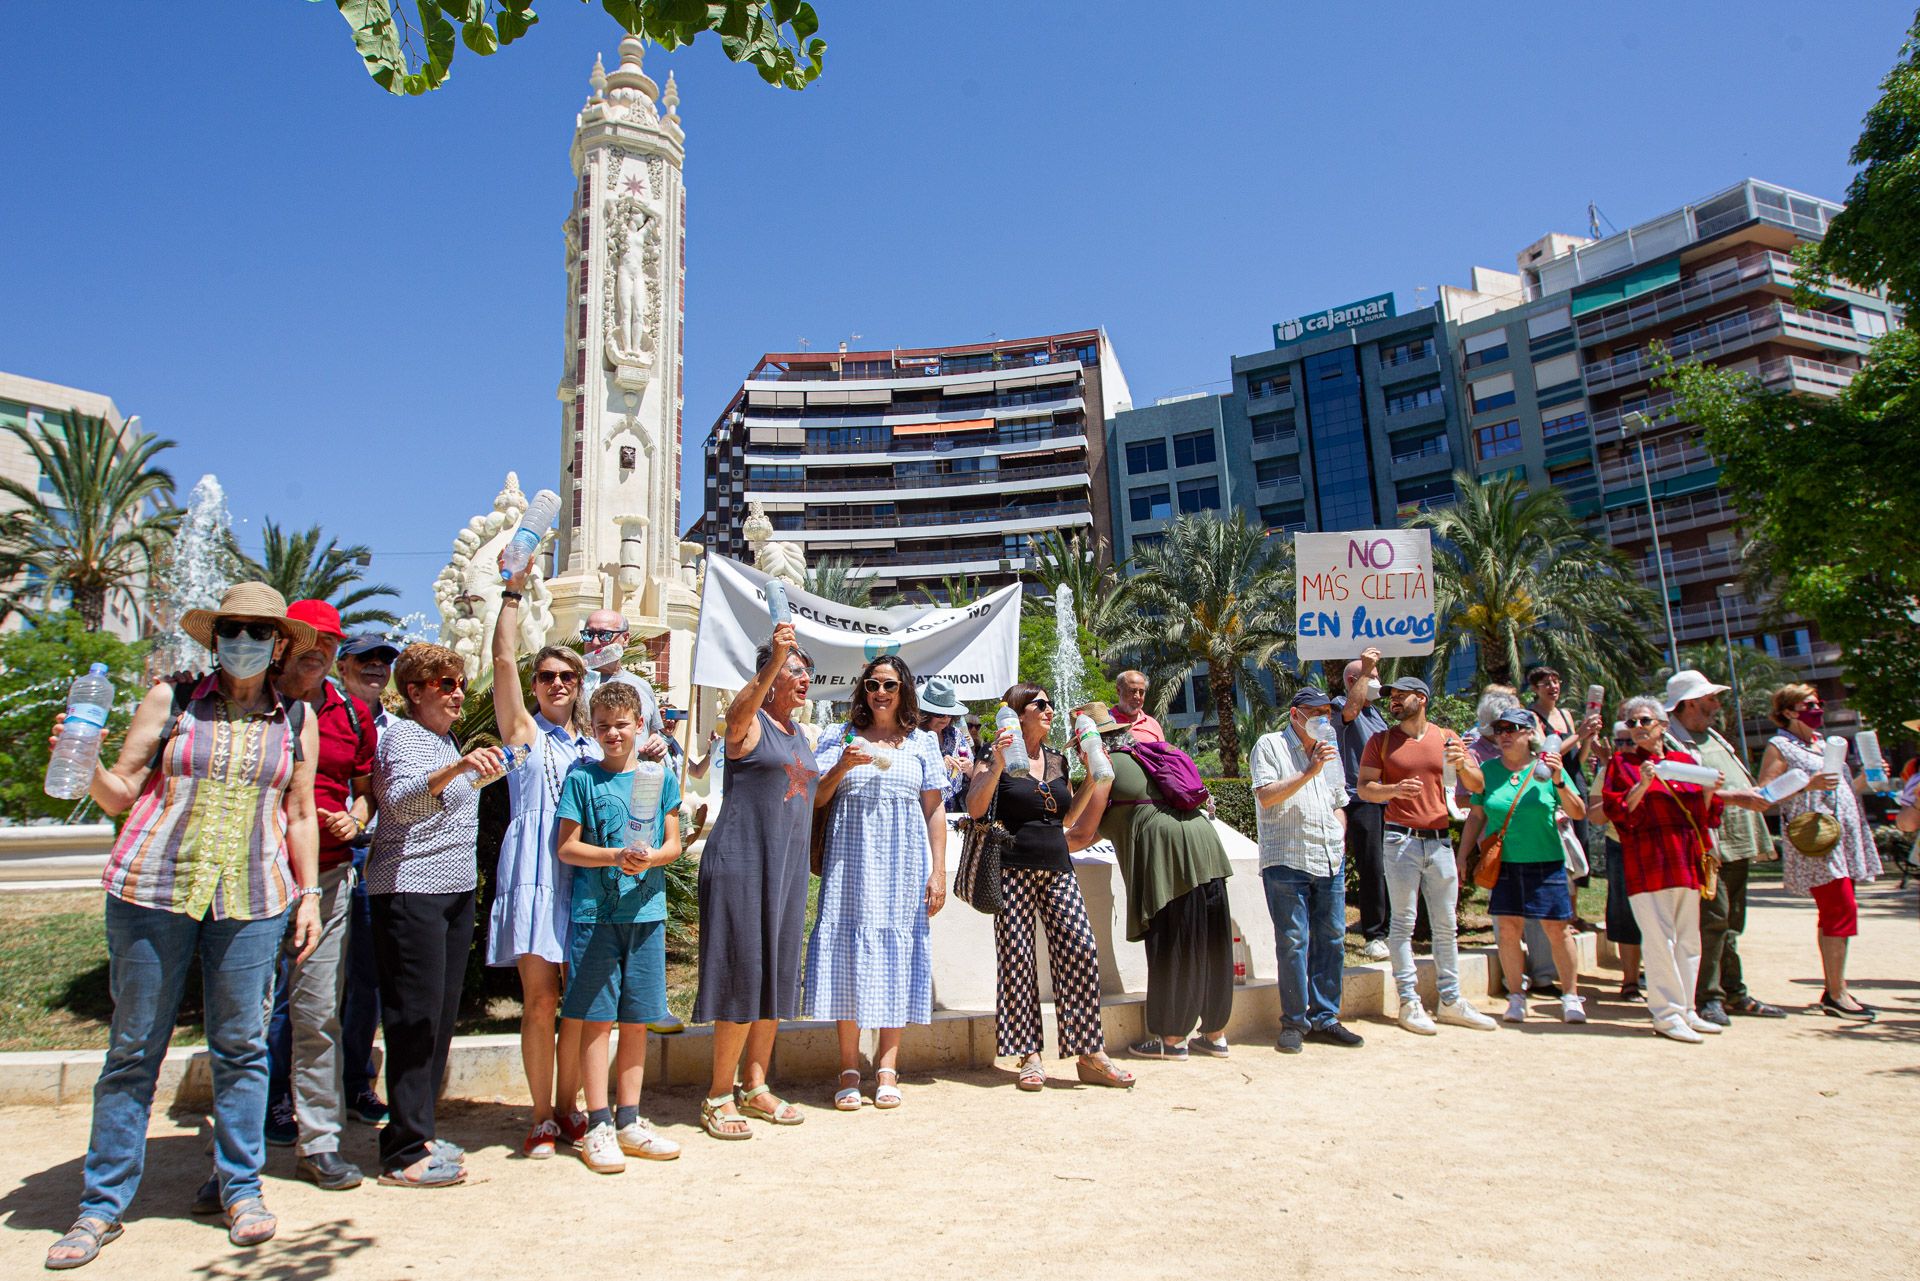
<point x="1430" y="833"/>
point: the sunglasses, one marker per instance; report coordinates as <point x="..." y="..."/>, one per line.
<point x="1641" y="722"/>
<point x="1811" y="705"/>
<point x="875" y="685"/>
<point x="550" y="678"/>
<point x="231" y="628"/>
<point x="445" y="684"/>
<point x="591" y="634"/>
<point x="1040" y="705"/>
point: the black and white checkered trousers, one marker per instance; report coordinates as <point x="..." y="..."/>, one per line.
<point x="1073" y="959"/>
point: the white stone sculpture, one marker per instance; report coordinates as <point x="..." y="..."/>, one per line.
<point x="468" y="589"/>
<point x="782" y="560"/>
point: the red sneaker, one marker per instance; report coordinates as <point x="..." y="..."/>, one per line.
<point x="540" y="1140"/>
<point x="572" y="1126"/>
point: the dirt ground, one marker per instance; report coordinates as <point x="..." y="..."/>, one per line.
<point x="1779" y="1149"/>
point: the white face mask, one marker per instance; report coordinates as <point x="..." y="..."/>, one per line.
<point x="608" y="654"/>
<point x="1373" y="688"/>
<point x="244" y="657"/>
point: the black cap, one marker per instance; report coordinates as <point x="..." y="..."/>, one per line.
<point x="363" y="643"/>
<point x="1310" y="696"/>
<point x="1518" y="717"/>
<point x="1410" y="685"/>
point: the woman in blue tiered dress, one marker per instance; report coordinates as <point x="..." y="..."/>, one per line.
<point x="527" y="928"/>
<point x="882" y="783"/>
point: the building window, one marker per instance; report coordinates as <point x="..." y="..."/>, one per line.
<point x="1274" y="516"/>
<point x="1270" y="385"/>
<point x="1484" y="349"/>
<point x="1562" y="426"/>
<point x="1402" y="402"/>
<point x="1497" y="439"/>
<point x="1271" y="471"/>
<point x="1146" y="455"/>
<point x="1580" y="473"/>
<point x="1408" y="352"/>
<point x="1153" y="502"/>
<point x="1428" y="493"/>
<point x="1273" y="428"/>
<point x="1193" y="449"/>
<point x="1200" y="495"/>
<point x="1492" y="393"/>
<point x="845" y="440"/>
<point x="1143" y="541"/>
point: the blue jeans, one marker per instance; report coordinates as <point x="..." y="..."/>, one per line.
<point x="149" y="952"/>
<point x="1309" y="923"/>
<point x="360" y="1011"/>
<point x="1423" y="866"/>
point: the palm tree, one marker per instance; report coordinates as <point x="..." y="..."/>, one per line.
<point x="1213" y="592"/>
<point x="1517" y="575"/>
<point x="833" y="579"/>
<point x="299" y="567"/>
<point x="1081" y="563"/>
<point x="102" y="526"/>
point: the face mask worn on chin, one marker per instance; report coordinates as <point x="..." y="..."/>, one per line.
<point x="243" y="657"/>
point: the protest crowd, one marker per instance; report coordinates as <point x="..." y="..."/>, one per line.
<point x="301" y="823"/>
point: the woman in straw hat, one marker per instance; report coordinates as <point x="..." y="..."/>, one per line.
<point x="219" y="849"/>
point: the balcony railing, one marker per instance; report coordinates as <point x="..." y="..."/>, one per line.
<point x="1664" y="461"/>
<point x="1696" y="564"/>
<point x="1723" y="337"/>
<point x="924" y="520"/>
<point x="827" y="373"/>
<point x="1692" y="622"/>
<point x="1675" y="301"/>
<point x="1800" y="373"/>
<point x="908" y="446"/>
<point x="1627" y="524"/>
<point x="1437" y="446"/>
<point x="1000" y="476"/>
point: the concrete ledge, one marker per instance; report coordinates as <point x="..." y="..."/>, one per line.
<point x="488" y="1067"/>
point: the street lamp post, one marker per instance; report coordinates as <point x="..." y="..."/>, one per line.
<point x="1653" y="524"/>
<point x="1720" y="595"/>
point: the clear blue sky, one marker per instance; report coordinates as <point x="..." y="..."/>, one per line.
<point x="349" y="305"/>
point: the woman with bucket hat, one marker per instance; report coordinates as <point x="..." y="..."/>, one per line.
<point x="944" y="716"/>
<point x="219" y="850"/>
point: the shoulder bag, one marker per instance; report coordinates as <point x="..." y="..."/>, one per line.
<point x="976" y="880"/>
<point x="1702" y="844"/>
<point x="1487" y="872"/>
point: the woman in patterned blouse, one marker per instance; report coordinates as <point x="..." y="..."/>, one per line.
<point x="220" y="848"/>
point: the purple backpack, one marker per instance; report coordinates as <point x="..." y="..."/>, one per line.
<point x="1173" y="772"/>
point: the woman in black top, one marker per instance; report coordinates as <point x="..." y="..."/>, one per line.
<point x="1037" y="878"/>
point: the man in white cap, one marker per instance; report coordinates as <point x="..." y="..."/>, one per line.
<point x="1693" y="704"/>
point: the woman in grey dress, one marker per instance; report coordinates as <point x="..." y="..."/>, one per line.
<point x="753" y="890"/>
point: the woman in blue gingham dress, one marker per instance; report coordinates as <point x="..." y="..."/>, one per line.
<point x="868" y="962"/>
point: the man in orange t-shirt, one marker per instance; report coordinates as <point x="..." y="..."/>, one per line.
<point x="1403" y="770"/>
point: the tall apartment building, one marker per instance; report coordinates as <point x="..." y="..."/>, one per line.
<point x="1557" y="358"/>
<point x="914" y="465"/>
<point x="41" y="407"/>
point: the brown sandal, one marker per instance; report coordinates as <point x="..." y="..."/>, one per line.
<point x="1105" y="1073"/>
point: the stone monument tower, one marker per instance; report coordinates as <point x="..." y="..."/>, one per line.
<point x="618" y="544"/>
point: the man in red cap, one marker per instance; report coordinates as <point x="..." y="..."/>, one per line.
<point x="304" y="1102"/>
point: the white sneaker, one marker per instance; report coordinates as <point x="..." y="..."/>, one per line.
<point x="1460" y="1014"/>
<point x="1704" y="1026"/>
<point x="640" y="1140"/>
<point x="1677" y="1030"/>
<point x="1516" y="1008"/>
<point x="1413" y="1017"/>
<point x="600" y="1150"/>
<point x="1573" y="1009"/>
<point x="1375" y="951"/>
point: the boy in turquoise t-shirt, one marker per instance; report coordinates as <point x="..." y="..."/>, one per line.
<point x="617" y="952"/>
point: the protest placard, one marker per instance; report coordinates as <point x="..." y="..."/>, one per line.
<point x="1370" y="587"/>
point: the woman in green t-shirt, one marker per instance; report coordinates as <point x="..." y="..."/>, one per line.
<point x="1533" y="863"/>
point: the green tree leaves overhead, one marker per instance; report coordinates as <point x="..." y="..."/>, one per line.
<point x="1212" y="592"/>
<point x="412" y="52"/>
<point x="1826" y="490"/>
<point x="99" y="530"/>
<point x="1517" y="575"/>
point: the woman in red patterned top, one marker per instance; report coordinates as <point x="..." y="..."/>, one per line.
<point x="1663" y="828"/>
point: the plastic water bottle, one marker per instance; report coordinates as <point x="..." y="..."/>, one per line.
<point x="513" y="757"/>
<point x="1872" y="763"/>
<point x="1596" y="699"/>
<point x="1540" y="769"/>
<point x="1449" y="775"/>
<point x="1321" y="727"/>
<point x="779" y="609"/>
<point x="70" y="772"/>
<point x="1835" y="760"/>
<point x="527" y="535"/>
<point x="1783" y="786"/>
<point x="1682" y="772"/>
<point x="1099" y="768"/>
<point x="1017" y="760"/>
<point x="643" y="803"/>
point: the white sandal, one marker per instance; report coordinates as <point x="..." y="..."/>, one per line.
<point x="847" y="1097"/>
<point x="886" y="1097"/>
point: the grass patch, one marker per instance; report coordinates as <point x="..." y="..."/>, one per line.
<point x="53" y="974"/>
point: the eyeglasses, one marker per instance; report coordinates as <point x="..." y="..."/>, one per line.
<point x="1040" y="705"/>
<point x="549" y="678"/>
<point x="1811" y="705"/>
<point x="445" y="684"/>
<point x="876" y="685"/>
<point x="589" y="635"/>
<point x="230" y="629"/>
<point x="1641" y="722"/>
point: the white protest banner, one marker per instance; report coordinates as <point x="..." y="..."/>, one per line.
<point x="976" y="647"/>
<point x="1369" y="587"/>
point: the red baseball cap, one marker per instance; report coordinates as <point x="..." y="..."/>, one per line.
<point x="319" y="615"/>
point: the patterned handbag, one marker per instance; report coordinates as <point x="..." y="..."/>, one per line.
<point x="976" y="881"/>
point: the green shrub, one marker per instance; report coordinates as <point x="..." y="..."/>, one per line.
<point x="1233" y="805"/>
